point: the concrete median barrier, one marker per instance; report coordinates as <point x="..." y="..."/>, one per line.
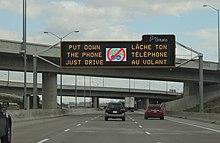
<point x="22" y="115"/>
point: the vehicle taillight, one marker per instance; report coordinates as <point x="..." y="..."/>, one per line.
<point x="122" y="110"/>
<point x="107" y="110"/>
<point x="148" y="110"/>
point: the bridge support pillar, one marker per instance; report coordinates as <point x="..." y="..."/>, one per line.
<point x="28" y="101"/>
<point x="49" y="90"/>
<point x="190" y="89"/>
<point x="95" y="102"/>
<point x="144" y="103"/>
<point x="147" y="102"/>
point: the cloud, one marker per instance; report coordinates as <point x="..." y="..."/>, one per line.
<point x="148" y="7"/>
<point x="70" y="15"/>
<point x="204" y="34"/>
<point x="125" y="9"/>
<point x="94" y="19"/>
<point x="14" y="6"/>
<point x="34" y="8"/>
<point x="107" y="19"/>
<point x="10" y="35"/>
<point x="204" y="41"/>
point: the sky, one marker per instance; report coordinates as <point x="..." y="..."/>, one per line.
<point x="191" y="23"/>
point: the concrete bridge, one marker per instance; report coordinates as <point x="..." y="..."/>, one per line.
<point x="95" y="93"/>
<point x="11" y="59"/>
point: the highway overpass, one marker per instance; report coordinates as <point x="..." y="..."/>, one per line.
<point x="11" y="59"/>
<point x="12" y="87"/>
<point x="102" y="92"/>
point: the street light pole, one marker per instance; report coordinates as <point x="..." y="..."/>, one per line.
<point x="90" y="92"/>
<point x="35" y="56"/>
<point x="25" y="54"/>
<point x="8" y="78"/>
<point x="75" y="91"/>
<point x="134" y="83"/>
<point x="61" y="85"/>
<point x="84" y="92"/>
<point x="217" y="10"/>
<point x="61" y="79"/>
<point x="166" y="86"/>
<point x="129" y="84"/>
<point x="201" y="89"/>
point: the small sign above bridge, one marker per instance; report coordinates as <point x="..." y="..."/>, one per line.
<point x="152" y="51"/>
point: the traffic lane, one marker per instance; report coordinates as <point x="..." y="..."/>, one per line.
<point x="97" y="130"/>
<point x="37" y="130"/>
<point x="173" y="130"/>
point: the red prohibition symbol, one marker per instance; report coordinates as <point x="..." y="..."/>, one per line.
<point x="112" y="57"/>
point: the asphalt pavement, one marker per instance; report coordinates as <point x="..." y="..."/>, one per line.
<point x="92" y="128"/>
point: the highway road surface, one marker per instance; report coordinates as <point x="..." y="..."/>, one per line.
<point x="91" y="128"/>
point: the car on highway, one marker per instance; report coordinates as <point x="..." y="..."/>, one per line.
<point x="6" y="123"/>
<point x="115" y="110"/>
<point x="154" y="111"/>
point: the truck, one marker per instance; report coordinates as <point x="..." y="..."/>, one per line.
<point x="5" y="123"/>
<point x="129" y="104"/>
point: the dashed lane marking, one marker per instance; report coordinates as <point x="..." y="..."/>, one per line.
<point x="67" y="130"/>
<point x="148" y="133"/>
<point x="44" y="140"/>
<point x="78" y="125"/>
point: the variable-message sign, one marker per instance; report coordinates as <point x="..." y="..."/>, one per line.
<point x="151" y="51"/>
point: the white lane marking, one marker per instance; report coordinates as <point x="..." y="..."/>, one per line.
<point x="86" y="121"/>
<point x="135" y="122"/>
<point x="148" y="133"/>
<point x="78" y="125"/>
<point x="140" y="126"/>
<point x="210" y="129"/>
<point x="92" y="119"/>
<point x="67" y="130"/>
<point x="44" y="140"/>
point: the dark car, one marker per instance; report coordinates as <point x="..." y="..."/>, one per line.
<point x="115" y="110"/>
<point x="154" y="111"/>
<point x="5" y="124"/>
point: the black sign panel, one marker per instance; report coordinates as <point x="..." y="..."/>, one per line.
<point x="151" y="51"/>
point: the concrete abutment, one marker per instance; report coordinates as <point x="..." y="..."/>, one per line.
<point x="191" y="96"/>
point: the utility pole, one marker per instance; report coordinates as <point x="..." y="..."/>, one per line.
<point x="24" y="52"/>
